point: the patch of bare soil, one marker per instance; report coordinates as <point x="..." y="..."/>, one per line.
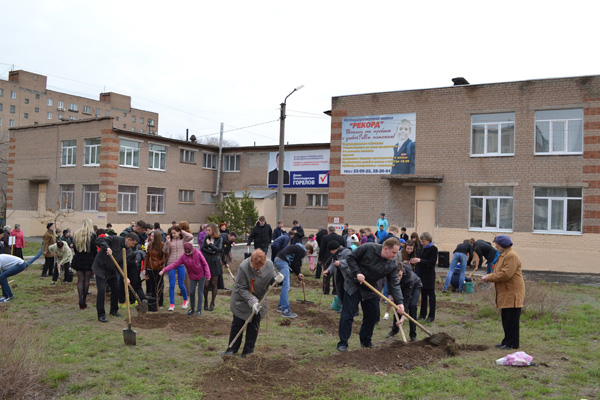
<point x="454" y="305"/>
<point x="178" y="322"/>
<point x="52" y="290"/>
<point x="310" y="316"/>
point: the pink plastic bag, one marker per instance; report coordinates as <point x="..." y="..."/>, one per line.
<point x="518" y="359"/>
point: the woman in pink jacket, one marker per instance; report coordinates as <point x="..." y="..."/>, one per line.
<point x="174" y="248"/>
<point x="198" y="271"/>
<point x="19" y="241"/>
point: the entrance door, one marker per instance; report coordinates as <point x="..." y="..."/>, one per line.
<point x="425" y="216"/>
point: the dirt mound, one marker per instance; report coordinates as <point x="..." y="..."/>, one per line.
<point x="179" y="322"/>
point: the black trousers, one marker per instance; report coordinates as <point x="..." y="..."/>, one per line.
<point x="18" y="252"/>
<point x="48" y="266"/>
<point x="319" y="269"/>
<point x="350" y="309"/>
<point x="410" y="307"/>
<point x="101" y="284"/>
<point x="155" y="285"/>
<point x="251" y="334"/>
<point x="133" y="274"/>
<point x="510" y="324"/>
<point x="427" y="295"/>
<point x="65" y="269"/>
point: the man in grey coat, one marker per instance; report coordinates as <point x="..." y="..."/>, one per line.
<point x="254" y="277"/>
<point x="370" y="262"/>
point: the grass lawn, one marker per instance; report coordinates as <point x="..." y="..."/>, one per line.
<point x="68" y="354"/>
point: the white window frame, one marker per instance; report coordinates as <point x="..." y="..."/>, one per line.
<point x="318" y="200"/>
<point x="129" y="155"/>
<point x="91" y="194"/>
<point x="61" y="106"/>
<point x="73" y="107"/>
<point x="12" y="109"/>
<point x="551" y="202"/>
<point x="141" y="120"/>
<point x="206" y="160"/>
<point x="133" y="118"/>
<point x="11" y="123"/>
<point x="13" y="94"/>
<point x="67" y="197"/>
<point x="551" y="125"/>
<point x="97" y="112"/>
<point x="50" y="102"/>
<point x="155" y="203"/>
<point x="150" y="122"/>
<point x="484" y="201"/>
<point x="127" y="199"/>
<point x="227" y="158"/>
<point x="68" y="153"/>
<point x="186" y="196"/>
<point x="87" y="110"/>
<point x="157" y="157"/>
<point x="187" y="156"/>
<point x="208" y="198"/>
<point x="1" y="92"/>
<point x="91" y="157"/>
<point x="501" y="119"/>
<point x="49" y="116"/>
<point x="289" y="198"/>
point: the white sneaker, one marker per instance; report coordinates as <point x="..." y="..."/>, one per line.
<point x="172" y="307"/>
<point x="185" y="304"/>
<point x="386" y="316"/>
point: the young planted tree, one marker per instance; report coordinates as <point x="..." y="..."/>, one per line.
<point x="239" y="214"/>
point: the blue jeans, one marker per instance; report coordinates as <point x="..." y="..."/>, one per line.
<point x="180" y="279"/>
<point x="284" y="268"/>
<point x="457" y="258"/>
<point x="14" y="270"/>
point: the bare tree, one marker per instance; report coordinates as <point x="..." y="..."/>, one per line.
<point x="214" y="141"/>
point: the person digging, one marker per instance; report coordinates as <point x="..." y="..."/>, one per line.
<point x="254" y="278"/>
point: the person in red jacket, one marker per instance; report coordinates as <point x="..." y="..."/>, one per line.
<point x="17" y="250"/>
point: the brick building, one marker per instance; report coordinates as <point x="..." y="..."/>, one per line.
<point x="26" y="100"/>
<point x="520" y="157"/>
<point x="92" y="169"/>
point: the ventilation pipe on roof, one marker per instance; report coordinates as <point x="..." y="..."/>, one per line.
<point x="460" y="81"/>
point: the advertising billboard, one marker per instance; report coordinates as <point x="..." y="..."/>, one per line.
<point x="304" y="168"/>
<point x="379" y="144"/>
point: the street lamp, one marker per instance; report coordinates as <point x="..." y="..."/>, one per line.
<point x="282" y="156"/>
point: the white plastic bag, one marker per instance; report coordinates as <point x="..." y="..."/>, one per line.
<point x="518" y="359"/>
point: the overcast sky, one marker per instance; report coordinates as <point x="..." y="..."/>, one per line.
<point x="201" y="63"/>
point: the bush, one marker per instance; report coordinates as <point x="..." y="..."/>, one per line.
<point x="20" y="370"/>
<point x="542" y="300"/>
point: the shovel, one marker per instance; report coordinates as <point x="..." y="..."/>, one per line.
<point x="401" y="328"/>
<point x="141" y="306"/>
<point x="304" y="293"/>
<point x="230" y="273"/>
<point x="128" y="333"/>
<point x="251" y="316"/>
<point x="434" y="339"/>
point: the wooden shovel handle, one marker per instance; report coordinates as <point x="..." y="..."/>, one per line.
<point x="367" y="284"/>
<point x="124" y="277"/>
<point x="126" y="290"/>
<point x="401" y="329"/>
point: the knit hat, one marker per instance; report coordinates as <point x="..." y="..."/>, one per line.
<point x="503" y="241"/>
<point x="49" y="224"/>
<point x="333" y="245"/>
<point x="353" y="239"/>
<point x="188" y="246"/>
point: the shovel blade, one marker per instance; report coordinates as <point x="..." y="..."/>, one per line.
<point x="305" y="302"/>
<point x="143" y="307"/>
<point x="129" y="336"/>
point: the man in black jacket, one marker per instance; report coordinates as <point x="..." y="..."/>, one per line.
<point x="290" y="258"/>
<point x="370" y="262"/>
<point x="299" y="232"/>
<point x="261" y="234"/>
<point x="324" y="256"/>
<point x="485" y="250"/>
<point x="106" y="272"/>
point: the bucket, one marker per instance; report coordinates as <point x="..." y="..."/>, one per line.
<point x="469" y="287"/>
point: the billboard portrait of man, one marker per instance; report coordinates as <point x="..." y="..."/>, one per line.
<point x="273" y="174"/>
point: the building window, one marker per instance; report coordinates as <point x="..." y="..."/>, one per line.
<point x="124" y="126"/>
<point x="107" y="113"/>
<point x="13" y="94"/>
<point x="127" y="199"/>
<point x="50" y="102"/>
<point x="37" y="110"/>
<point x="186" y="196"/>
<point x="49" y="116"/>
<point x="0" y="121"/>
<point x="559" y="131"/>
<point x="129" y="155"/>
<point x="13" y="109"/>
<point x="61" y="106"/>
<point x="208" y="198"/>
<point x="116" y="118"/>
<point x="156" y="201"/>
<point x="37" y="96"/>
<point x="25" y="115"/>
<point x="1" y="92"/>
<point x="141" y="120"/>
<point x="317" y="200"/>
<point x="493" y="134"/>
<point x="133" y="118"/>
<point x="11" y="123"/>
<point x="491" y="208"/>
<point x="67" y="197"/>
<point x="157" y="158"/>
<point x="150" y="122"/>
<point x="97" y="112"/>
<point x="87" y="110"/>
<point x="187" y="156"/>
<point x="73" y="107"/>
<point x="231" y="163"/>
<point x="90" y="197"/>
<point x="60" y="117"/>
<point x="0" y="106"/>
<point x="557" y="210"/>
<point x="289" y="200"/>
<point x="69" y="149"/>
<point x="209" y="160"/>
<point x="72" y="118"/>
<point x="26" y="101"/>
<point x="92" y="152"/>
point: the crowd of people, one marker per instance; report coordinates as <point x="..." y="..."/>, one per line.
<point x="399" y="265"/>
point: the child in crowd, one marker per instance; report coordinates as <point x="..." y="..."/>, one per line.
<point x="311" y="256"/>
